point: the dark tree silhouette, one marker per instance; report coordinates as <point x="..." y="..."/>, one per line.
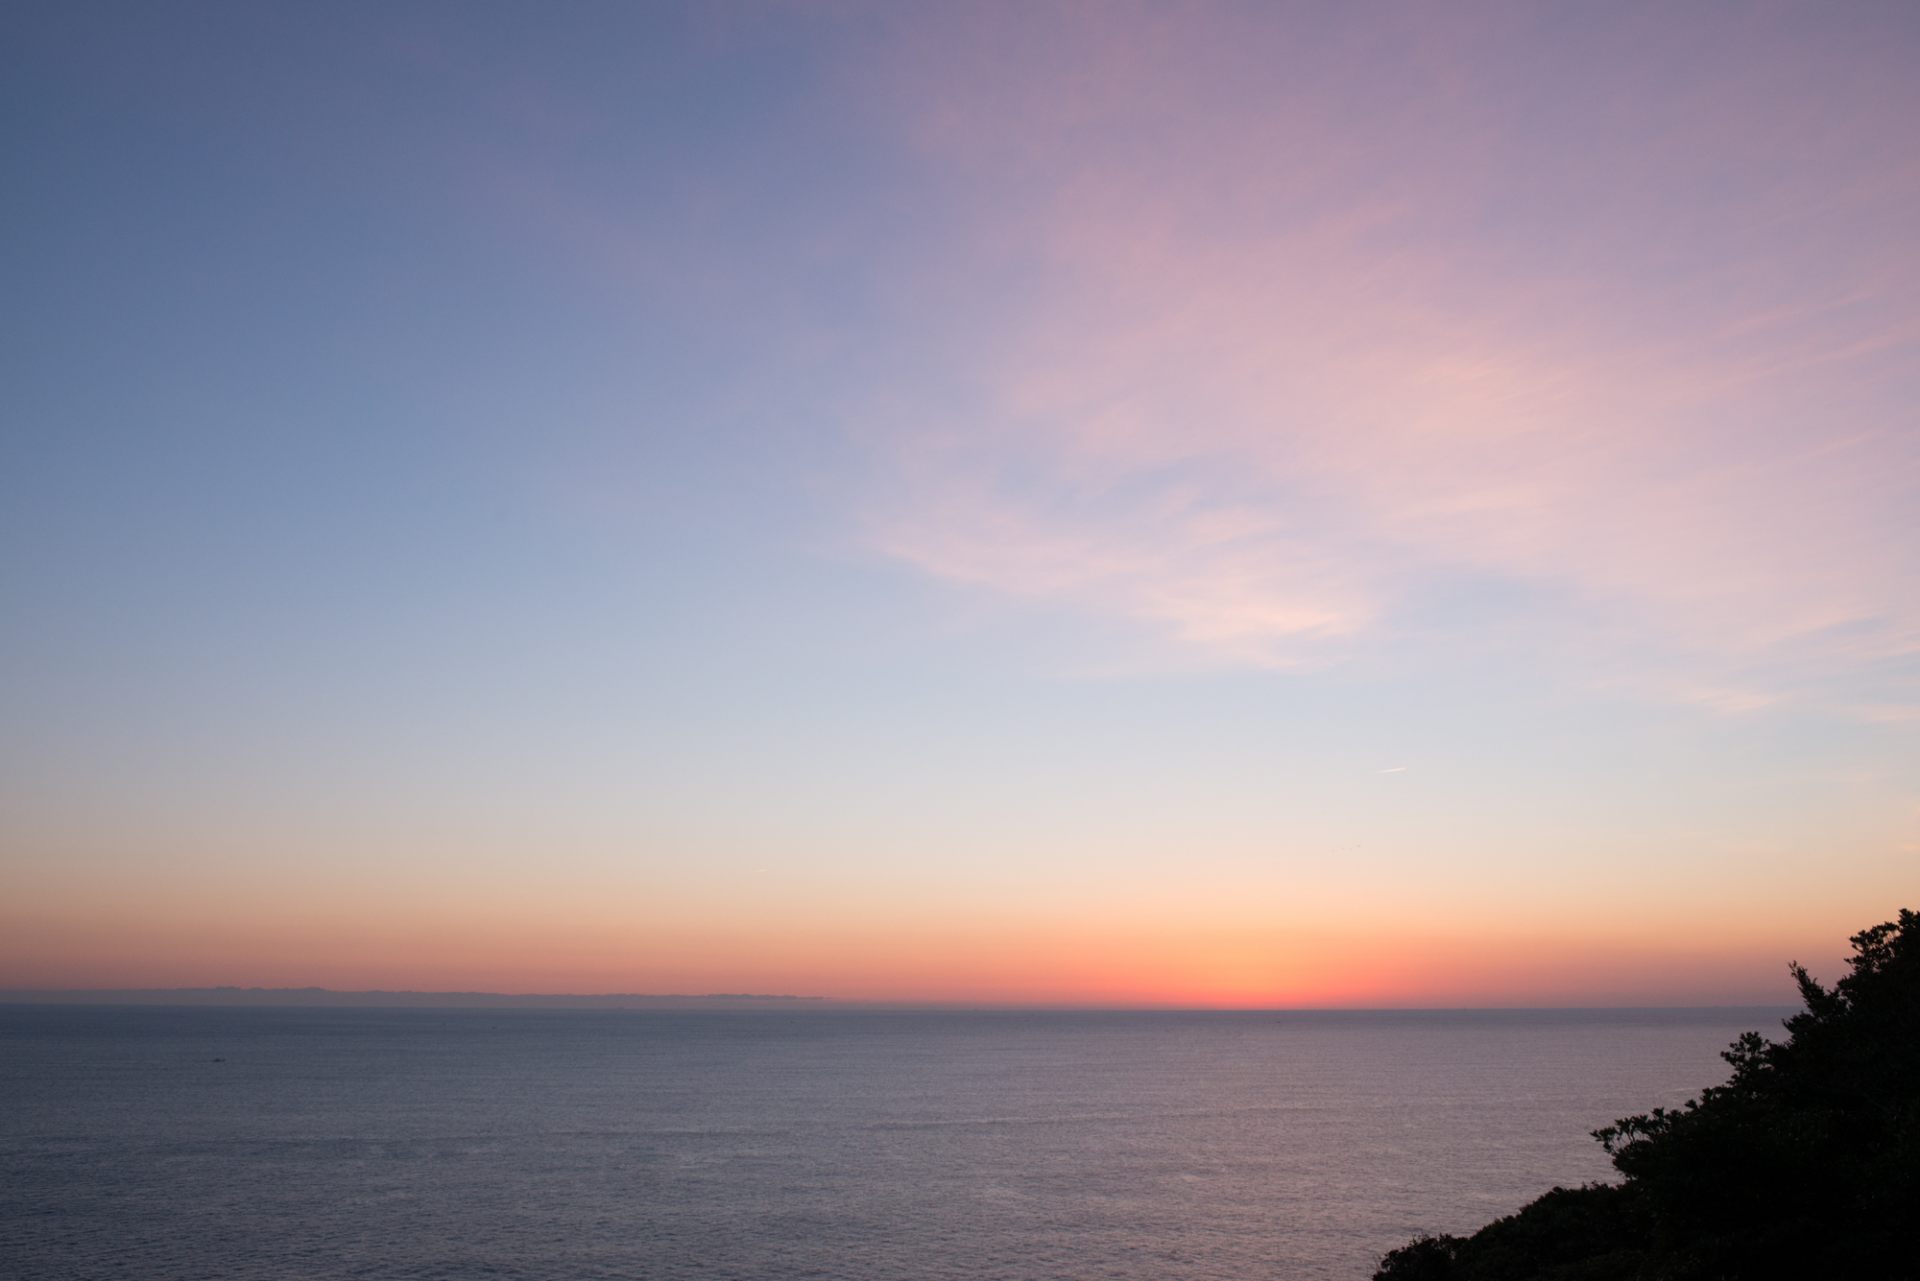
<point x="1805" y="1164"/>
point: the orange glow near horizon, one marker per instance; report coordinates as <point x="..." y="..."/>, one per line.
<point x="1112" y="964"/>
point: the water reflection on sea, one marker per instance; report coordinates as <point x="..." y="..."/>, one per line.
<point x="250" y="1143"/>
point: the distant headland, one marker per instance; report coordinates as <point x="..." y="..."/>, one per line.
<point x="322" y="996"/>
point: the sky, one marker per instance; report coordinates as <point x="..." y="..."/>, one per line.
<point x="1240" y="505"/>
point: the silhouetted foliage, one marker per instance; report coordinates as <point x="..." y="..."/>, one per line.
<point x="1805" y="1164"/>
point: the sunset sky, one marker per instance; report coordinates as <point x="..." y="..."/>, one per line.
<point x="1224" y="505"/>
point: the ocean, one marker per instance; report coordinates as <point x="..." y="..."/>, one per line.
<point x="158" y="1144"/>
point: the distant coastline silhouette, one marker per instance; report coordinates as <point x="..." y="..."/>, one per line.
<point x="325" y="997"/>
<point x="1806" y="1163"/>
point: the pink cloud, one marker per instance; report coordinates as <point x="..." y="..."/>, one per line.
<point x="1276" y="361"/>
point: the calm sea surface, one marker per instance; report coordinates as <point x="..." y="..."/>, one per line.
<point x="849" y="1146"/>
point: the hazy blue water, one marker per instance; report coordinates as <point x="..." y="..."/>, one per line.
<point x="484" y="1144"/>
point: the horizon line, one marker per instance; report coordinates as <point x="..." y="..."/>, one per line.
<point x="262" y="998"/>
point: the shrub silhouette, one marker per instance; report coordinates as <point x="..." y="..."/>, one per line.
<point x="1805" y="1164"/>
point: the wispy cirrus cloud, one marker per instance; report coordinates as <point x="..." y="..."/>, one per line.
<point x="1301" y="325"/>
